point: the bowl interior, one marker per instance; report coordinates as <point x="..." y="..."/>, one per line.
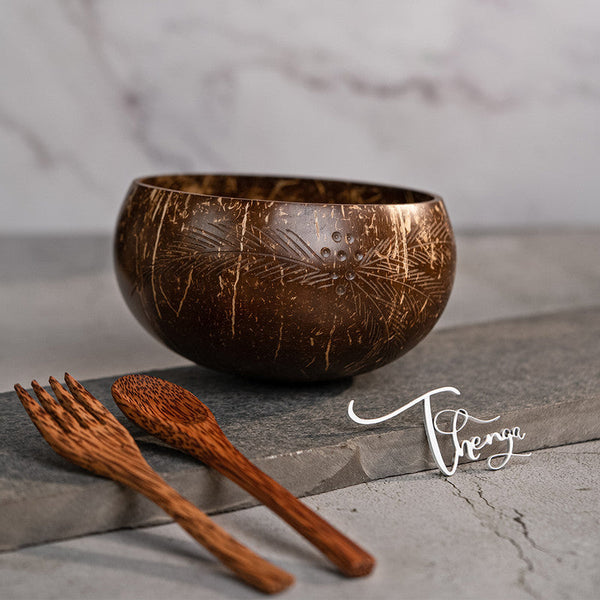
<point x="287" y="189"/>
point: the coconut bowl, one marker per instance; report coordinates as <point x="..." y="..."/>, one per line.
<point x="284" y="278"/>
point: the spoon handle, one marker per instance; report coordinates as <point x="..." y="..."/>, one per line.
<point x="251" y="568"/>
<point x="350" y="558"/>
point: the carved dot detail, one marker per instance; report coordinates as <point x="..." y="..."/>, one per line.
<point x="359" y="256"/>
<point x="336" y="236"/>
<point x="342" y="255"/>
<point x="350" y="275"/>
<point x="325" y="252"/>
<point x="340" y="290"/>
<point x="334" y="276"/>
<point x="349" y="238"/>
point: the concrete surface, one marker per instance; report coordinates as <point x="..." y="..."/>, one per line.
<point x="531" y="530"/>
<point x="64" y="291"/>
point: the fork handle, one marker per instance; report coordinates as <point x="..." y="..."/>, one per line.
<point x="350" y="558"/>
<point x="250" y="567"/>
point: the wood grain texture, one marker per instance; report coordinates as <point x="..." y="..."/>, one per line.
<point x="179" y="418"/>
<point x="291" y="279"/>
<point x="83" y="431"/>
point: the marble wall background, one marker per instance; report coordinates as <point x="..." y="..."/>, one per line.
<point x="493" y="104"/>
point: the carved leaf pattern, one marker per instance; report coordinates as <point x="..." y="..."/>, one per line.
<point x="386" y="268"/>
<point x="391" y="284"/>
<point x="280" y="254"/>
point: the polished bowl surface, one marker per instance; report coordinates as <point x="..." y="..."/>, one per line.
<point x="284" y="278"/>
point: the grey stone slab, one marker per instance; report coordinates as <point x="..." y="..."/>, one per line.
<point x="541" y="374"/>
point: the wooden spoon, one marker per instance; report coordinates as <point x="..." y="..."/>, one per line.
<point x="179" y="418"/>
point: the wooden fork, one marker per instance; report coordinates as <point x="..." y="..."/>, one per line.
<point x="82" y="430"/>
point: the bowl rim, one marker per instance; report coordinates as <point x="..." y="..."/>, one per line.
<point x="143" y="182"/>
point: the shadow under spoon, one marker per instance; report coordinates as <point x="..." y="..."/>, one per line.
<point x="176" y="416"/>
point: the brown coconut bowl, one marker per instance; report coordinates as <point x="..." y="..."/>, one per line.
<point x="284" y="278"/>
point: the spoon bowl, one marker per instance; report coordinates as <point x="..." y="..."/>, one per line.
<point x="169" y="401"/>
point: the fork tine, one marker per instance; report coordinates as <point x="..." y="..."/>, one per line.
<point x="70" y="404"/>
<point x="83" y="401"/>
<point x="53" y="408"/>
<point x="81" y="415"/>
<point x="41" y="419"/>
<point x="63" y="396"/>
<point x="93" y="405"/>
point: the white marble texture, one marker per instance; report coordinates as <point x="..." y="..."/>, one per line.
<point x="495" y="105"/>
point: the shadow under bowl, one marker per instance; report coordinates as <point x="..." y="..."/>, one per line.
<point x="284" y="278"/>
